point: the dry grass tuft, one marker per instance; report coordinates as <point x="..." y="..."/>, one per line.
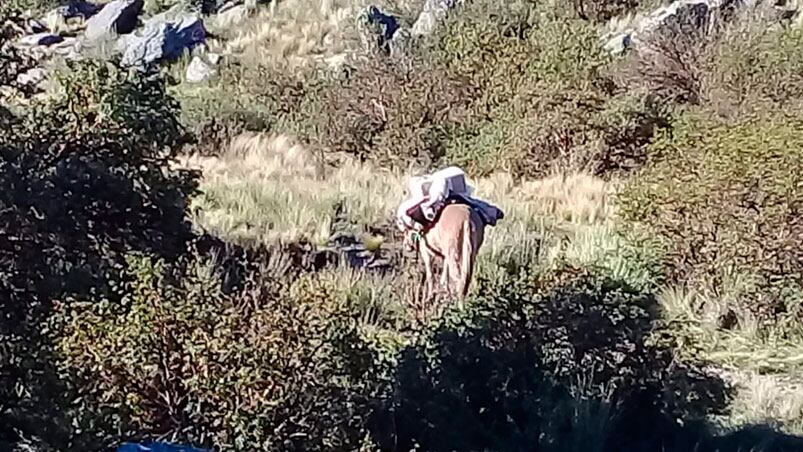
<point x="268" y="187"/>
<point x="765" y="365"/>
<point x="767" y="399"/>
<point x="731" y="337"/>
<point x="295" y="33"/>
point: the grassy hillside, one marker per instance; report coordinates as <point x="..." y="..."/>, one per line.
<point x="175" y="251"/>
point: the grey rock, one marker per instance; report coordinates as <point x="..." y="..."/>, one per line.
<point x="40" y="39"/>
<point x="434" y="11"/>
<point x="199" y="71"/>
<point x="163" y="42"/>
<point x="79" y="8"/>
<point x="117" y="17"/>
<point x="33" y="76"/>
<point x="679" y="15"/>
<point x="175" y="12"/>
<point x="68" y="47"/>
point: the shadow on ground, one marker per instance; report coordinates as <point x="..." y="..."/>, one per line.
<point x="566" y="363"/>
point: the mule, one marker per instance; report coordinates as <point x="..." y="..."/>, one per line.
<point x="455" y="236"/>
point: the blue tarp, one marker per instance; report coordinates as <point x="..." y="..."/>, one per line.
<point x="157" y="447"/>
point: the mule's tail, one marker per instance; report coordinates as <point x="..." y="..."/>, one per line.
<point x="467" y="258"/>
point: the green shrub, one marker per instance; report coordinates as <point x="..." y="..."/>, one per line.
<point x="86" y="177"/>
<point x="737" y="65"/>
<point x="753" y="63"/>
<point x="604" y="10"/>
<point x="268" y="367"/>
<point x="34" y="6"/>
<point x="558" y="361"/>
<point x="544" y="101"/>
<point x="671" y="62"/>
<point x="724" y="197"/>
<point x="392" y="111"/>
<point x="251" y="98"/>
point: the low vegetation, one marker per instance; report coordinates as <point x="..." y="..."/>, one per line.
<point x="179" y="260"/>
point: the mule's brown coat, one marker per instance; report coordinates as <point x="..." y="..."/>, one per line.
<point x="456" y="237"/>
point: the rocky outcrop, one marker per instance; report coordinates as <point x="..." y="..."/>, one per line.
<point x="700" y="14"/>
<point x="394" y="38"/>
<point x="681" y="12"/>
<point x="32" y="77"/>
<point x="118" y="17"/>
<point x="163" y="42"/>
<point x="79" y="8"/>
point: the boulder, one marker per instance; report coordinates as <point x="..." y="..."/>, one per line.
<point x="163" y="41"/>
<point x="79" y="8"/>
<point x="618" y="43"/>
<point x="68" y="48"/>
<point x="682" y="13"/>
<point x="199" y="70"/>
<point x="434" y="11"/>
<point x="679" y="14"/>
<point x="117" y="17"/>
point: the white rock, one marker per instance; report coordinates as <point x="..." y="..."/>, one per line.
<point x="163" y="41"/>
<point x="33" y="76"/>
<point x="433" y="12"/>
<point x="199" y="71"/>
<point x="117" y="17"/>
<point x="617" y="44"/>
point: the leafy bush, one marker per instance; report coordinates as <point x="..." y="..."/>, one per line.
<point x="497" y="87"/>
<point x="268" y="366"/>
<point x="392" y="111"/>
<point x="88" y="175"/>
<point x="724" y="197"/>
<point x="560" y="361"/>
<point x="671" y="62"/>
<point x="753" y="63"/>
<point x="603" y="10"/>
<point x="87" y="178"/>
<point x="733" y="66"/>
<point x="544" y="100"/>
<point x="35" y="6"/>
<point x="251" y="98"/>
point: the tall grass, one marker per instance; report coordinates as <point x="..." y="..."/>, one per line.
<point x="765" y="365"/>
<point x="268" y="187"/>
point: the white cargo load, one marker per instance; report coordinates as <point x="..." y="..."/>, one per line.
<point x="430" y="192"/>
